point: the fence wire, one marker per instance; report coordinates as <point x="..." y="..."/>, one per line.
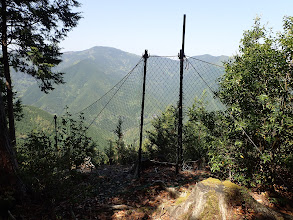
<point x="201" y="81"/>
<point x="123" y="101"/>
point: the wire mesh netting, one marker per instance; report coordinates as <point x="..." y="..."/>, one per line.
<point x="123" y="101"/>
<point x="201" y="81"/>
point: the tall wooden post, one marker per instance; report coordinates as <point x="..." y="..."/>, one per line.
<point x="180" y="108"/>
<point x="145" y="56"/>
<point x="56" y="138"/>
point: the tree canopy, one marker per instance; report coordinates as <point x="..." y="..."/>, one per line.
<point x="258" y="88"/>
<point x="34" y="29"/>
<point x="30" y="33"/>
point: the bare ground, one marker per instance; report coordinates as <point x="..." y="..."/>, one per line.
<point x="112" y="192"/>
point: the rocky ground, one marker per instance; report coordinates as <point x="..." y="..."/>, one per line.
<point x="112" y="192"/>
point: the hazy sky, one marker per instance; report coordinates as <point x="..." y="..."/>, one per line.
<point x="212" y="26"/>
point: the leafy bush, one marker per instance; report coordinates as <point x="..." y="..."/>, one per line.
<point x="257" y="87"/>
<point x="47" y="167"/>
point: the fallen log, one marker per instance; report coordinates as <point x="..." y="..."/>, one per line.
<point x="154" y="162"/>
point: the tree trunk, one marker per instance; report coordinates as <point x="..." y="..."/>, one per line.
<point x="8" y="162"/>
<point x="7" y="154"/>
<point x="7" y="73"/>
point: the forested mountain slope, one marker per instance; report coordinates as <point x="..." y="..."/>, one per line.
<point x="88" y="75"/>
<point x="34" y="119"/>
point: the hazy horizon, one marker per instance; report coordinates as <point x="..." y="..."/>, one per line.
<point x="71" y="51"/>
<point x="212" y="27"/>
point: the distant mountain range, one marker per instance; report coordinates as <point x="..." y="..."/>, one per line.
<point x="89" y="74"/>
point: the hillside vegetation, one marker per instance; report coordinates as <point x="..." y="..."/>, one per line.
<point x="91" y="73"/>
<point x="34" y="120"/>
<point x="237" y="128"/>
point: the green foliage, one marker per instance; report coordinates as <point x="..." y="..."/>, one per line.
<point x="118" y="151"/>
<point x="45" y="165"/>
<point x="257" y="87"/>
<point x="111" y="152"/>
<point x="73" y="143"/>
<point x="35" y="29"/>
<point x="162" y="142"/>
<point x="38" y="120"/>
<point x="38" y="161"/>
<point x="17" y="110"/>
<point x="34" y="120"/>
<point x="198" y="131"/>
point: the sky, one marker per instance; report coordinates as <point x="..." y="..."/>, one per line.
<point x="212" y="26"/>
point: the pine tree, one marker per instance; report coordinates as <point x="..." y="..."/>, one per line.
<point x="30" y="33"/>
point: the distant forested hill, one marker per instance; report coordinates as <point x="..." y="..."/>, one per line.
<point x="34" y="119"/>
<point x="38" y="120"/>
<point x="89" y="74"/>
<point x="212" y="59"/>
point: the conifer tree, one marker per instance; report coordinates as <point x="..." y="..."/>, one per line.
<point x="30" y="33"/>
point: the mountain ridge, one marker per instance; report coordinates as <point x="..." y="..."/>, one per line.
<point x="96" y="70"/>
<point x="91" y="73"/>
